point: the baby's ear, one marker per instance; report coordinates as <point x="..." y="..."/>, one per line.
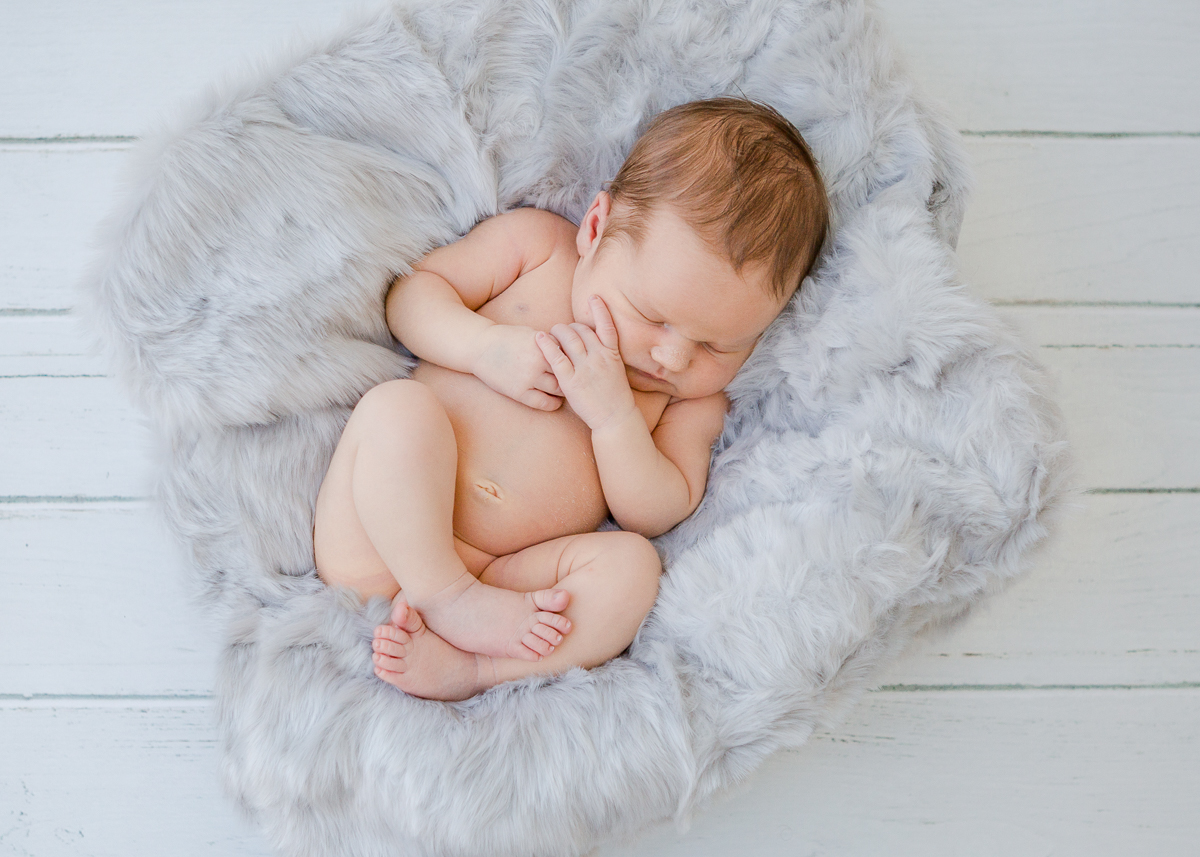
<point x="591" y="228"/>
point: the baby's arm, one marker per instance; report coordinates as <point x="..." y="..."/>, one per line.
<point x="651" y="481"/>
<point x="432" y="311"/>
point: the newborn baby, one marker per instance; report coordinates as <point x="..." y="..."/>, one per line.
<point x="566" y="373"/>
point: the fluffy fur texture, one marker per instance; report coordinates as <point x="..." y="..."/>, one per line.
<point x="890" y="455"/>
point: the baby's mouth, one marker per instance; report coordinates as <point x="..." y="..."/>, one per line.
<point x="644" y="377"/>
<point x="642" y="374"/>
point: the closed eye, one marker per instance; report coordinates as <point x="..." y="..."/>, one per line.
<point x="724" y="351"/>
<point x="647" y="318"/>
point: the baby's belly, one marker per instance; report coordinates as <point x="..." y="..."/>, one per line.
<point x="524" y="476"/>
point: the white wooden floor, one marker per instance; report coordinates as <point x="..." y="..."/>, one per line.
<point x="1061" y="718"/>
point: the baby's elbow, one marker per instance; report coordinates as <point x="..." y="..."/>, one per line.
<point x="643" y="528"/>
<point x="651" y="525"/>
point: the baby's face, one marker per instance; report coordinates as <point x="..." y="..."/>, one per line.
<point x="686" y="321"/>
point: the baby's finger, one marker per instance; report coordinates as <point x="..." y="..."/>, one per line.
<point x="547" y="383"/>
<point x="590" y="341"/>
<point x="606" y="330"/>
<point x="568" y="338"/>
<point x="538" y="399"/>
<point x="560" y="364"/>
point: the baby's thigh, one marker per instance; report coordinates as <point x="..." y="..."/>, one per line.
<point x="621" y="562"/>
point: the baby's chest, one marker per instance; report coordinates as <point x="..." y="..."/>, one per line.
<point x="539" y="299"/>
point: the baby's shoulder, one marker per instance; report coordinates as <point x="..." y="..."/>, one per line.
<point x="687" y="430"/>
<point x="543" y="234"/>
<point x="705" y="415"/>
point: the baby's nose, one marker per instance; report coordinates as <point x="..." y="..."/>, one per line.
<point x="670" y="357"/>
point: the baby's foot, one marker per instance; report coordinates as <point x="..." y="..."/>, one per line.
<point x="475" y="617"/>
<point x="409" y="656"/>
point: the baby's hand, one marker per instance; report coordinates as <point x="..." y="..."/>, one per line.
<point x="510" y="362"/>
<point x="589" y="368"/>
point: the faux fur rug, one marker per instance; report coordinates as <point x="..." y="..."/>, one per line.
<point x="890" y="455"/>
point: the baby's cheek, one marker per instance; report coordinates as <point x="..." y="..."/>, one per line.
<point x="713" y="380"/>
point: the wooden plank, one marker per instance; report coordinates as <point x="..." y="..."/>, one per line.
<point x="65" y="436"/>
<point x="72" y="68"/>
<point x="1132" y="414"/>
<point x="1068" y="66"/>
<point x="45" y="345"/>
<point x="1105" y="327"/>
<point x="128" y="778"/>
<point x="989" y="774"/>
<point x="1074" y="65"/>
<point x="1112" y="599"/>
<point x="1084" y="220"/>
<point x="51" y="198"/>
<point x="95" y="603"/>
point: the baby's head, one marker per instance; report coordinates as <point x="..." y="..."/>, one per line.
<point x="705" y="233"/>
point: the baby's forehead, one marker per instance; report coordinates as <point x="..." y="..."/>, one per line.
<point x="685" y="277"/>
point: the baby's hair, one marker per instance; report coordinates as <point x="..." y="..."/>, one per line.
<point x="739" y="174"/>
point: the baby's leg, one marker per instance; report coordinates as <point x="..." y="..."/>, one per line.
<point x="612" y="578"/>
<point x="402" y="486"/>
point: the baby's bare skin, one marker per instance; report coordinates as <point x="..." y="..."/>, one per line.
<point x="568" y="382"/>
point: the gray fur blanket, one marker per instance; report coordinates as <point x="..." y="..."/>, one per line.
<point x="890" y="455"/>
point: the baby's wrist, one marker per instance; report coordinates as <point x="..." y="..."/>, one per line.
<point x="480" y="342"/>
<point x="618" y="423"/>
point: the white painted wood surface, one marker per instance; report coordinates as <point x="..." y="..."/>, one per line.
<point x="1059" y="717"/>
<point x="1027" y="773"/>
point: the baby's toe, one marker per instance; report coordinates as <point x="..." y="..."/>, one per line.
<point x="390" y="664"/>
<point x="547" y="633"/>
<point x="394" y="679"/>
<point x="518" y="648"/>
<point x="555" y="623"/>
<point x="392" y="648"/>
<point x="391" y="632"/>
<point x="537" y="644"/>
<point x="551" y="599"/>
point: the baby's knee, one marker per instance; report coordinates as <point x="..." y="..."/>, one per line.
<point x="402" y="402"/>
<point x="636" y="560"/>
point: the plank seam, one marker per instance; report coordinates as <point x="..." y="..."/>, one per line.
<point x="1142" y="491"/>
<point x="1119" y="345"/>
<point x="78" y="138"/>
<point x="29" y="311"/>
<point x="1084" y="135"/>
<point x="107" y="697"/>
<point x="1113" y="304"/>
<point x="67" y="498"/>
<point x="918" y="688"/>
<point x="83" y="700"/>
<point x="142" y="703"/>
